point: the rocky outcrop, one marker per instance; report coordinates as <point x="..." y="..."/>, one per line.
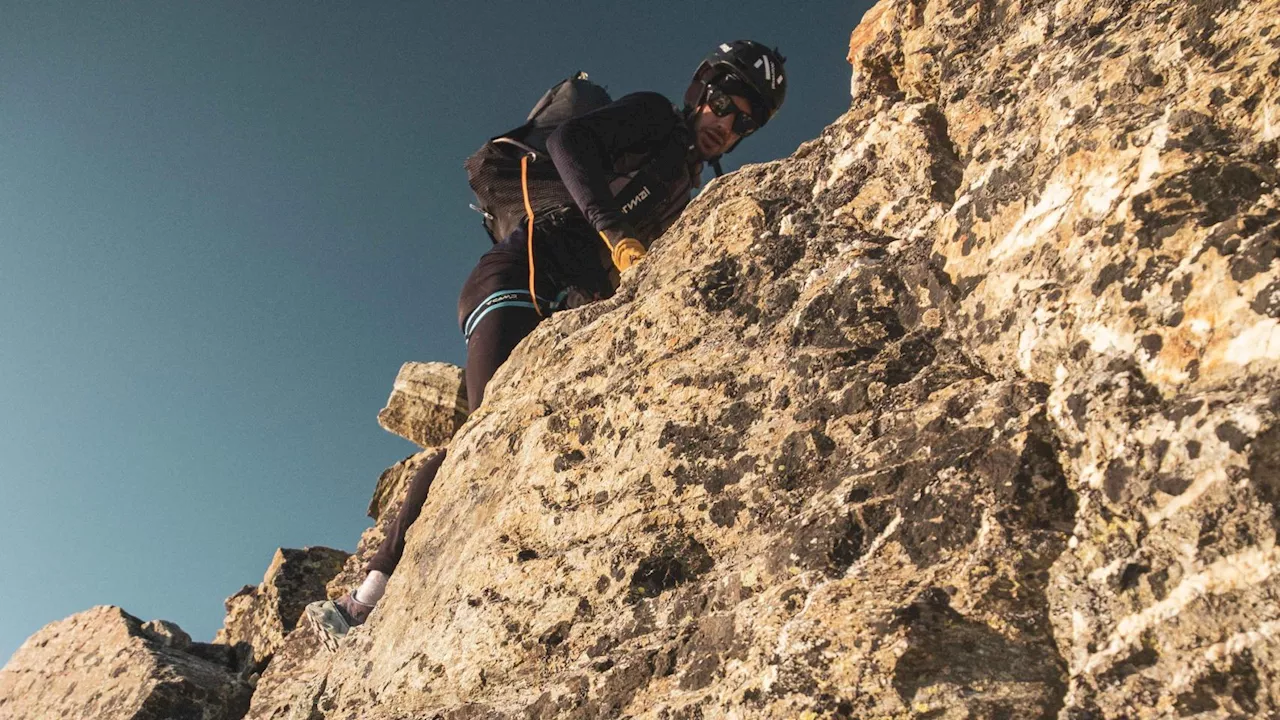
<point x="108" y="665"/>
<point x="293" y="683"/>
<point x="965" y="410"/>
<point x="1109" y="227"/>
<point x="968" y="409"/>
<point x="260" y="616"/>
<point x="428" y="403"/>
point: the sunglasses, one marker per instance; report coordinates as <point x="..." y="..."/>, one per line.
<point x="722" y="104"/>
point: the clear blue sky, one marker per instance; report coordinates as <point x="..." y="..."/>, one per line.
<point x="224" y="226"/>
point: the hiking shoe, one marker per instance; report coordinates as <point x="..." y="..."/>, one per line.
<point x="353" y="611"/>
<point x="330" y="622"/>
<point x="335" y="618"/>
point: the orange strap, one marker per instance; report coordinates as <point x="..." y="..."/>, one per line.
<point x="528" y="210"/>
<point x="607" y="244"/>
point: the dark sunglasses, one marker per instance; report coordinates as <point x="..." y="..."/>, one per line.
<point x="722" y="104"/>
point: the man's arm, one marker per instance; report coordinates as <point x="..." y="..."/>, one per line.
<point x="584" y="148"/>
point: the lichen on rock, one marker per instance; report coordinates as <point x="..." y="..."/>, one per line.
<point x="967" y="409"/>
<point x="108" y="665"/>
<point x="259" y="617"/>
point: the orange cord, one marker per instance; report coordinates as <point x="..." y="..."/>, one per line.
<point x="528" y="210"/>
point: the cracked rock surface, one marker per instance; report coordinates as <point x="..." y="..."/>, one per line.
<point x="427" y="404"/>
<point x="259" y="617"/>
<point x="108" y="665"/>
<point x="967" y="409"/>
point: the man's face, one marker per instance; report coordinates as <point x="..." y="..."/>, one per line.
<point x="714" y="134"/>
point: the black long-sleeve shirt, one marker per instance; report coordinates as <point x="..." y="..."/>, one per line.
<point x="597" y="154"/>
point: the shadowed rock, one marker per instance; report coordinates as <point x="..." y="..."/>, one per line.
<point x="106" y="665"/>
<point x="262" y="616"/>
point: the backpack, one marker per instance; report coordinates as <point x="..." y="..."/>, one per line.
<point x="494" y="171"/>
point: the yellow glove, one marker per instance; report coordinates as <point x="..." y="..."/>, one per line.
<point x="627" y="252"/>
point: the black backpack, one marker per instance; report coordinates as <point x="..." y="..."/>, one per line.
<point x="494" y="171"/>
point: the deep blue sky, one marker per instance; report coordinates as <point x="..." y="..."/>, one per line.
<point x="224" y="226"/>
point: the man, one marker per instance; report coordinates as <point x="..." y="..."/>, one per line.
<point x="630" y="168"/>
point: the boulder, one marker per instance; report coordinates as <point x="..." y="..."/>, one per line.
<point x="428" y="403"/>
<point x="260" y="617"/>
<point x="167" y="634"/>
<point x="107" y="665"/>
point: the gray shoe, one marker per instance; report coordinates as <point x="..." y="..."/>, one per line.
<point x="333" y="619"/>
<point x="329" y="621"/>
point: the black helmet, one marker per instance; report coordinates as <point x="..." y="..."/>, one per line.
<point x="756" y="66"/>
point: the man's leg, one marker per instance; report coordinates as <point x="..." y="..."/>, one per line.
<point x="495" y="332"/>
<point x="388" y="554"/>
<point x="491" y="343"/>
<point x="360" y="603"/>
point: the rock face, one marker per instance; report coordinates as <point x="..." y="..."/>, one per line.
<point x="428" y="403"/>
<point x="259" y="617"/>
<point x="1103" y="203"/>
<point x="292" y="685"/>
<point x="968" y="409"/>
<point x="107" y="665"/>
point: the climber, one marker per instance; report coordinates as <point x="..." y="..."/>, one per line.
<point x="581" y="252"/>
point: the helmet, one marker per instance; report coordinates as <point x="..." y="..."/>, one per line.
<point x="756" y="66"/>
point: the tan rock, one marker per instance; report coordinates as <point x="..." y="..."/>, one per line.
<point x="292" y="683"/>
<point x="262" y="616"/>
<point x="102" y="664"/>
<point x="291" y="686"/>
<point x="428" y="403"/>
<point x="167" y="633"/>
<point x="968" y="409"/>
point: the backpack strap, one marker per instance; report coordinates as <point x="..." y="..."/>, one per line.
<point x="528" y="150"/>
<point x="528" y="209"/>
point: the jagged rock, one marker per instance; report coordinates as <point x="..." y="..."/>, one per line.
<point x="383" y="506"/>
<point x="428" y="403"/>
<point x="1113" y="236"/>
<point x="261" y="616"/>
<point x="967" y="409"/>
<point x="167" y="634"/>
<point x="106" y="665"/>
<point x="292" y="684"/>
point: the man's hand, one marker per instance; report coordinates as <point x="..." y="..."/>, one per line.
<point x="624" y="249"/>
<point x="627" y="252"/>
